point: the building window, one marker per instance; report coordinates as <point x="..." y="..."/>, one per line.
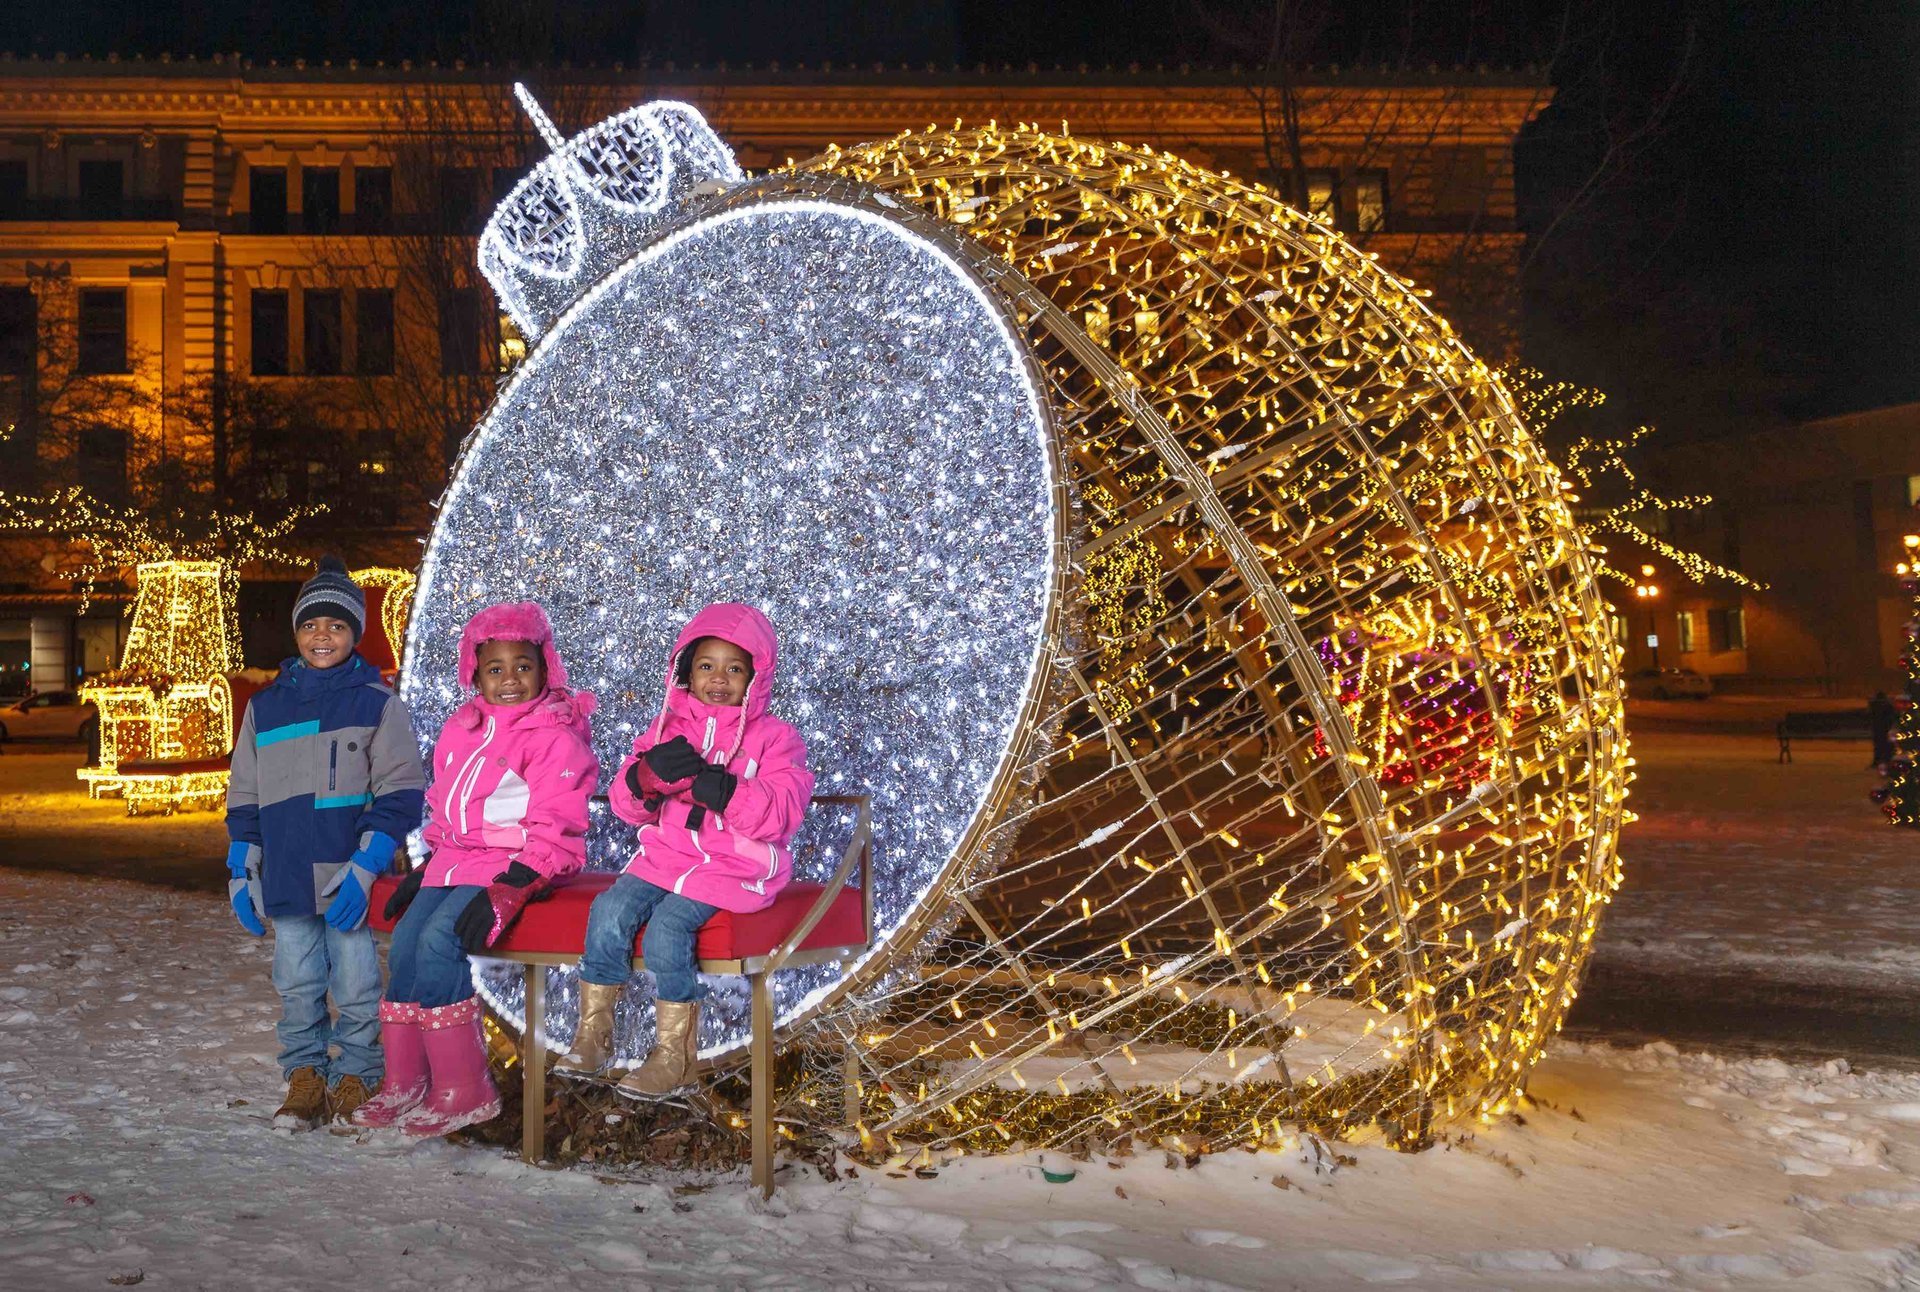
<point x="376" y="462"/>
<point x="103" y="330"/>
<point x="1370" y="201"/>
<point x="1913" y="491"/>
<point x="504" y="178"/>
<point x="102" y="190"/>
<point x="269" y="333"/>
<point x="320" y="199"/>
<point x="372" y="199"/>
<point x="13" y="190"/>
<point x="19" y="321"/>
<point x="266" y="199"/>
<point x="459" y="198"/>
<point x="102" y="462"/>
<point x="1683" y="630"/>
<point x="320" y="314"/>
<point x="1727" y="629"/>
<point x="462" y="313"/>
<point x="373" y="332"/>
<point x="1323" y="195"/>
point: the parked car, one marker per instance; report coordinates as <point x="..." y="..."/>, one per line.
<point x="1669" y="684"/>
<point x="55" y="715"/>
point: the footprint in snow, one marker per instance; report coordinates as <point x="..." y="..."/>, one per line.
<point x="1223" y="1238"/>
<point x="1793" y="1165"/>
<point x="1067" y="1228"/>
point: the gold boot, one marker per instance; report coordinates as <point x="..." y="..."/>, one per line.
<point x="593" y="1038"/>
<point x="675" y="1051"/>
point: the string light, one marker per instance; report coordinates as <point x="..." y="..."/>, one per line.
<point x="1338" y="779"/>
<point x="1899" y="797"/>
<point x="1599" y="465"/>
<point x="1306" y="817"/>
<point x="168" y="701"/>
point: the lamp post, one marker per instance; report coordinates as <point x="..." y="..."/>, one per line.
<point x="1647" y="591"/>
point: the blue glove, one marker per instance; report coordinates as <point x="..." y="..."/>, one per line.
<point x="243" y="887"/>
<point x="352" y="885"/>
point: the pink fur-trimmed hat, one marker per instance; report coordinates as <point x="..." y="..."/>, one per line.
<point x="511" y="621"/>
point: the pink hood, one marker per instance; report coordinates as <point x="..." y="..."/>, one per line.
<point x="738" y="858"/>
<point x="746" y="628"/>
<point x="511" y="782"/>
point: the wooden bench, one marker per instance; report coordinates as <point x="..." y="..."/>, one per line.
<point x="807" y="924"/>
<point x="1838" y="724"/>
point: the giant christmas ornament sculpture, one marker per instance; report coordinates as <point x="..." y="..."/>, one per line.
<point x="1242" y="720"/>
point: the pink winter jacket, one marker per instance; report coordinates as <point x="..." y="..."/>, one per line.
<point x="511" y="782"/>
<point x="738" y="861"/>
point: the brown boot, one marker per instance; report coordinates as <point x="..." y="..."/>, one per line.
<point x="306" y="1102"/>
<point x="593" y="1038"/>
<point x="675" y="1050"/>
<point x="347" y="1096"/>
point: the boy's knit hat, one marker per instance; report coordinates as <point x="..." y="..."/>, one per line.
<point x="332" y="591"/>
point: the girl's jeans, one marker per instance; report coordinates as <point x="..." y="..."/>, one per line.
<point x="672" y="924"/>
<point x="426" y="965"/>
<point x="310" y="957"/>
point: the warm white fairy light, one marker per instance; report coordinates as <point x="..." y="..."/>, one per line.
<point x="805" y="406"/>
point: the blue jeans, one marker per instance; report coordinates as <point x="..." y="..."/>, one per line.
<point x="310" y="957"/>
<point x="672" y="924"/>
<point x="426" y="965"/>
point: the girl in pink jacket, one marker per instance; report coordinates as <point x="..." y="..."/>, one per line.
<point x="512" y="773"/>
<point x="717" y="786"/>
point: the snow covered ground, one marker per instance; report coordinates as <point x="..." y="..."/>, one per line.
<point x="136" y="1080"/>
<point x="137" y="1077"/>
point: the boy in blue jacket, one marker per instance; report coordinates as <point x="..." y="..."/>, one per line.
<point x="326" y="785"/>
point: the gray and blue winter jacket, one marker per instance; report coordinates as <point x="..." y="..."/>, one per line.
<point x="325" y="770"/>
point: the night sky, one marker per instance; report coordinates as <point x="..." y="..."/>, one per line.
<point x="1748" y="253"/>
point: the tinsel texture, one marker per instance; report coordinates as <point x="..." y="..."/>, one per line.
<point x="803" y="406"/>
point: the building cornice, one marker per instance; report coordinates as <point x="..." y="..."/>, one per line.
<point x="351" y="102"/>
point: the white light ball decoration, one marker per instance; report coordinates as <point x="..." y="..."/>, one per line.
<point x="801" y="405"/>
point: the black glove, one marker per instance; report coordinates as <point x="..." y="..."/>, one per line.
<point x="408" y="890"/>
<point x="675" y="760"/>
<point x="714" y="787"/>
<point x="496" y="906"/>
<point x="639" y="791"/>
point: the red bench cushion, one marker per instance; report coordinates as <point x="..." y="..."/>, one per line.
<point x="175" y="767"/>
<point x="558" y="925"/>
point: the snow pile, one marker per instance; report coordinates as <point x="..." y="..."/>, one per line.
<point x="138" y="1081"/>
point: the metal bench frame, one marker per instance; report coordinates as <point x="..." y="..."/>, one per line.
<point x="758" y="970"/>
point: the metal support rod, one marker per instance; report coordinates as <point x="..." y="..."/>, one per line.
<point x="533" y="1069"/>
<point x="762" y="1065"/>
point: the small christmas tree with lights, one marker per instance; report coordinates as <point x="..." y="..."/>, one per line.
<point x="1900" y="796"/>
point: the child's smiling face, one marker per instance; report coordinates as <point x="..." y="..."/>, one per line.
<point x="720" y="672"/>
<point x="323" y="641"/>
<point x="509" y="672"/>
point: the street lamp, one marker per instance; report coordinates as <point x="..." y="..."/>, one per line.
<point x="1647" y="590"/>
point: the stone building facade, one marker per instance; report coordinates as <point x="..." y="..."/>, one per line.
<point x="230" y="284"/>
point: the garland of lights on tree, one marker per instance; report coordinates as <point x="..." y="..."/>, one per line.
<point x="1226" y="667"/>
<point x="1899" y="797"/>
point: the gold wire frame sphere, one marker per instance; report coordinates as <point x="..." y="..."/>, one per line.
<point x="1327" y="803"/>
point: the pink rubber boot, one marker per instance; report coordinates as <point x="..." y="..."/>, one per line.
<point x="462" y="1090"/>
<point x="406" y="1081"/>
